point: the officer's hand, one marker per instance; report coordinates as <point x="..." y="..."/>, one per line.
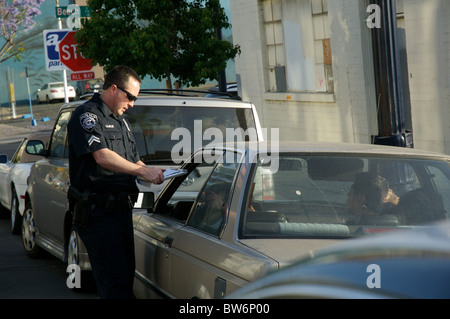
<point x="153" y="174"/>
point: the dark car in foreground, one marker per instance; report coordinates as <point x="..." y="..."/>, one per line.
<point x="412" y="263"/>
<point x="245" y="210"/>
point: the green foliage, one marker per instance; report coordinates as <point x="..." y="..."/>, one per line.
<point x="160" y="38"/>
<point x="14" y="16"/>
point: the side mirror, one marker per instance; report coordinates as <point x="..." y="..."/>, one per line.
<point x="145" y="200"/>
<point x="3" y="158"/>
<point x="35" y="147"/>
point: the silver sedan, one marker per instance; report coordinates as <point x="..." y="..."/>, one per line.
<point x="244" y="211"/>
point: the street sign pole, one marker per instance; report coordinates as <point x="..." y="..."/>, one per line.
<point x="66" y="91"/>
<point x="33" y="121"/>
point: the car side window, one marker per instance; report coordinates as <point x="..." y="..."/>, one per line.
<point x="58" y="143"/>
<point x="206" y="191"/>
<point x="211" y="208"/>
<point x="18" y="154"/>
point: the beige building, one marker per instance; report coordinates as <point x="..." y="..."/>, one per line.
<point x="308" y="67"/>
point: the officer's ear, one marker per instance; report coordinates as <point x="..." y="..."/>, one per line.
<point x="145" y="200"/>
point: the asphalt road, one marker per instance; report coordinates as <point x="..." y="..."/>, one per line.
<point x="25" y="278"/>
<point x="20" y="276"/>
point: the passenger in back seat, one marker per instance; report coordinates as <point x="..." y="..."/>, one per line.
<point x="419" y="207"/>
<point x="368" y="195"/>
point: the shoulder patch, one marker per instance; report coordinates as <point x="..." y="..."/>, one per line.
<point x="88" y="121"/>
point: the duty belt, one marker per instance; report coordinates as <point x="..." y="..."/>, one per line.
<point x="121" y="202"/>
<point x="112" y="202"/>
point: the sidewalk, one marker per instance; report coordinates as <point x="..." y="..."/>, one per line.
<point x="12" y="130"/>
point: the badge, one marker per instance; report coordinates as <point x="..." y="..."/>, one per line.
<point x="88" y="121"/>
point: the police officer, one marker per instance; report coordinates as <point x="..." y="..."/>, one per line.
<point x="103" y="166"/>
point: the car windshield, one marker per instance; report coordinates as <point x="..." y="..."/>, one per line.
<point x="335" y="196"/>
<point x="170" y="134"/>
<point x="57" y="85"/>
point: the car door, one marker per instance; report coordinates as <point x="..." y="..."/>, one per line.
<point x="186" y="257"/>
<point x="5" y="167"/>
<point x="41" y="94"/>
<point x="5" y="171"/>
<point x="204" y="264"/>
<point x="51" y="182"/>
<point x="154" y="233"/>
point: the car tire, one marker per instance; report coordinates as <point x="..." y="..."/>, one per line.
<point x="29" y="232"/>
<point x="47" y="100"/>
<point x="16" y="218"/>
<point x="73" y="253"/>
<point x="73" y="248"/>
<point x="38" y="100"/>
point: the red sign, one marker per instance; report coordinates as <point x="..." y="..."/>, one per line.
<point x="70" y="56"/>
<point x="80" y="76"/>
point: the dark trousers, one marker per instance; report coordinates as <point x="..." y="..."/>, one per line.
<point x="109" y="242"/>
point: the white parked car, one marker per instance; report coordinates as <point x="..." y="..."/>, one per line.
<point x="14" y="174"/>
<point x="54" y="91"/>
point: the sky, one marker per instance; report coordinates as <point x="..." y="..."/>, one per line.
<point x="34" y="58"/>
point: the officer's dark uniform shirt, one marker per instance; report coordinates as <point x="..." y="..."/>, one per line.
<point x="92" y="127"/>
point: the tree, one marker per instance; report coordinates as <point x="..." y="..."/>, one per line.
<point x="14" y="15"/>
<point x="159" y="38"/>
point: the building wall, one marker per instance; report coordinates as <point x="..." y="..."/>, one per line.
<point x="346" y="109"/>
<point x="428" y="47"/>
<point x="306" y="110"/>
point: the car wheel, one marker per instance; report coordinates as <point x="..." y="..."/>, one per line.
<point x="29" y="233"/>
<point x="73" y="248"/>
<point x="16" y="218"/>
<point x="73" y="258"/>
<point x="38" y="100"/>
<point x="47" y="100"/>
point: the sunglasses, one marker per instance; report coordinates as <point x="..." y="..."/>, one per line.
<point x="130" y="96"/>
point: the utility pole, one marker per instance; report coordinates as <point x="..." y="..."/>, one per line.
<point x="388" y="81"/>
<point x="222" y="74"/>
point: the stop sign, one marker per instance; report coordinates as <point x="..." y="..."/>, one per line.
<point x="70" y="56"/>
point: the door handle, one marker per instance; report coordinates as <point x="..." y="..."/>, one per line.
<point x="168" y="241"/>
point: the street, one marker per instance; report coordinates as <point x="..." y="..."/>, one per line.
<point x="22" y="277"/>
<point x="25" y="278"/>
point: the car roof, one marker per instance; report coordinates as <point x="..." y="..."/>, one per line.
<point x="186" y="101"/>
<point x="192" y="101"/>
<point x="330" y="148"/>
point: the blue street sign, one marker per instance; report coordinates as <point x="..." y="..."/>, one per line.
<point x="51" y="48"/>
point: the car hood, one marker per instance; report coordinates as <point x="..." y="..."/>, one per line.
<point x="286" y="251"/>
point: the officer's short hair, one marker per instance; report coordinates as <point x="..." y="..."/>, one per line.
<point x="119" y="75"/>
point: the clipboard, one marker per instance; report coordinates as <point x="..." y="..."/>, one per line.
<point x="172" y="173"/>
